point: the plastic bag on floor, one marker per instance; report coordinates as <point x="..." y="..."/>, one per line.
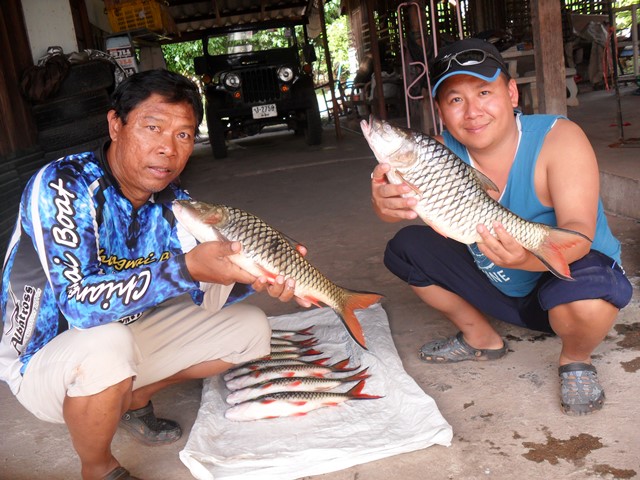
<point x="330" y="438"/>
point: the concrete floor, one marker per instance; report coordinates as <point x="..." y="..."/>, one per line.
<point x="505" y="415"/>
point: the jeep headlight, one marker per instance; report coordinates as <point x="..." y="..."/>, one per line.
<point x="285" y="74"/>
<point x="232" y="80"/>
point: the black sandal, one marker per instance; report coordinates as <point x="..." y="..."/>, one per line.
<point x="145" y="427"/>
<point x="579" y="388"/>
<point x="455" y="349"/>
<point x="120" y="473"/>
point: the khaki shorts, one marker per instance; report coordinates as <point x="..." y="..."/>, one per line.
<point x="166" y="339"/>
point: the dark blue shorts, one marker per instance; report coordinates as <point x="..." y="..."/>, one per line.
<point x="421" y="257"/>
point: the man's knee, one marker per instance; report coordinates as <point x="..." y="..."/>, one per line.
<point x="107" y="355"/>
<point x="77" y="363"/>
<point x="255" y="324"/>
<point x="254" y="335"/>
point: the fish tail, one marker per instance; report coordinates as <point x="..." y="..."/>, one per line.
<point x="320" y="361"/>
<point x="361" y="375"/>
<point x="354" y="301"/>
<point x="550" y="251"/>
<point x="356" y="392"/>
<point x="310" y="352"/>
<point x="340" y="365"/>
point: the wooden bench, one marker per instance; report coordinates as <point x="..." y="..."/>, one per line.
<point x="529" y="91"/>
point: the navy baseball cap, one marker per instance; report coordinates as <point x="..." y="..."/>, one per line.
<point x="470" y="56"/>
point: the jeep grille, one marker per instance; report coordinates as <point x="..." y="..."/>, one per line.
<point x="260" y="85"/>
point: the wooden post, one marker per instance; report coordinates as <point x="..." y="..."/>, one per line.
<point x="327" y="56"/>
<point x="375" y="53"/>
<point x="549" y="56"/>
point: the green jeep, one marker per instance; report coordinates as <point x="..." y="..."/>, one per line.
<point x="255" y="78"/>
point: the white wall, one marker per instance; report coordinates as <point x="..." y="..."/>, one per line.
<point x="49" y="23"/>
<point x="97" y="15"/>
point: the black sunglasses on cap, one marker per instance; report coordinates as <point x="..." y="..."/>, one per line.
<point x="464" y="59"/>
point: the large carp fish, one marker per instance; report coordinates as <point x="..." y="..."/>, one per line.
<point x="265" y="251"/>
<point x="452" y="195"/>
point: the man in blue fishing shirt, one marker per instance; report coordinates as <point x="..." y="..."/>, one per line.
<point x="106" y="299"/>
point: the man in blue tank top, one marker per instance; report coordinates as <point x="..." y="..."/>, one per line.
<point x="106" y="299"/>
<point x="546" y="171"/>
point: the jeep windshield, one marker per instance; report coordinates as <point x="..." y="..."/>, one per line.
<point x="251" y="41"/>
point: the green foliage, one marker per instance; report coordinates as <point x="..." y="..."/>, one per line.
<point x="179" y="57"/>
<point x="249" y="41"/>
<point x="623" y="18"/>
<point x="338" y="36"/>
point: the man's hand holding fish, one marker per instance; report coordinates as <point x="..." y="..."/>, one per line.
<point x="209" y="262"/>
<point x="391" y="202"/>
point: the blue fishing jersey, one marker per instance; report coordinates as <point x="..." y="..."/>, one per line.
<point x="82" y="256"/>
<point x="520" y="197"/>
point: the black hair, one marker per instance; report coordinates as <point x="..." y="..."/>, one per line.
<point x="174" y="87"/>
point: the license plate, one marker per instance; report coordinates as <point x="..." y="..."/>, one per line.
<point x="264" y="111"/>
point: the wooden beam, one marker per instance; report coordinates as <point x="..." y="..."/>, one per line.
<point x="17" y="128"/>
<point x="378" y="96"/>
<point x="327" y="57"/>
<point x="549" y="56"/>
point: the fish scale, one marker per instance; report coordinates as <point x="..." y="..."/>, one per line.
<point x="452" y="195"/>
<point x="273" y="245"/>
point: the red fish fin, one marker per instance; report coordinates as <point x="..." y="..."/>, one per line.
<point x="267" y="401"/>
<point x="356" y="392"/>
<point x="550" y="252"/>
<point x="271" y="277"/>
<point x="356" y="389"/>
<point x="213" y="219"/>
<point x="320" y="361"/>
<point x="341" y="364"/>
<point x="312" y="300"/>
<point x="306" y="331"/>
<point x="299" y="402"/>
<point x="486" y="183"/>
<point x="361" y="375"/>
<point x="299" y="414"/>
<point x="266" y="385"/>
<point x="415" y="189"/>
<point x="310" y="352"/>
<point x="295" y="384"/>
<point x="355" y="301"/>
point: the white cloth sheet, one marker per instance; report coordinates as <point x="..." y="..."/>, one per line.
<point x="330" y="438"/>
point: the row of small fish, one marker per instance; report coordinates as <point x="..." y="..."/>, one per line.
<point x="280" y="387"/>
<point x="286" y="404"/>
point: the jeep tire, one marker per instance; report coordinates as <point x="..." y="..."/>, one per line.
<point x="216" y="130"/>
<point x="216" y="138"/>
<point x="313" y="124"/>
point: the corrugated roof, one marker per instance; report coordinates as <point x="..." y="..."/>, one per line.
<point x="199" y="16"/>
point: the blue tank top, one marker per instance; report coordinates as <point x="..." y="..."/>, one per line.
<point x="520" y="197"/>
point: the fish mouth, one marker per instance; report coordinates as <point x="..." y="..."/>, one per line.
<point x="366" y="126"/>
